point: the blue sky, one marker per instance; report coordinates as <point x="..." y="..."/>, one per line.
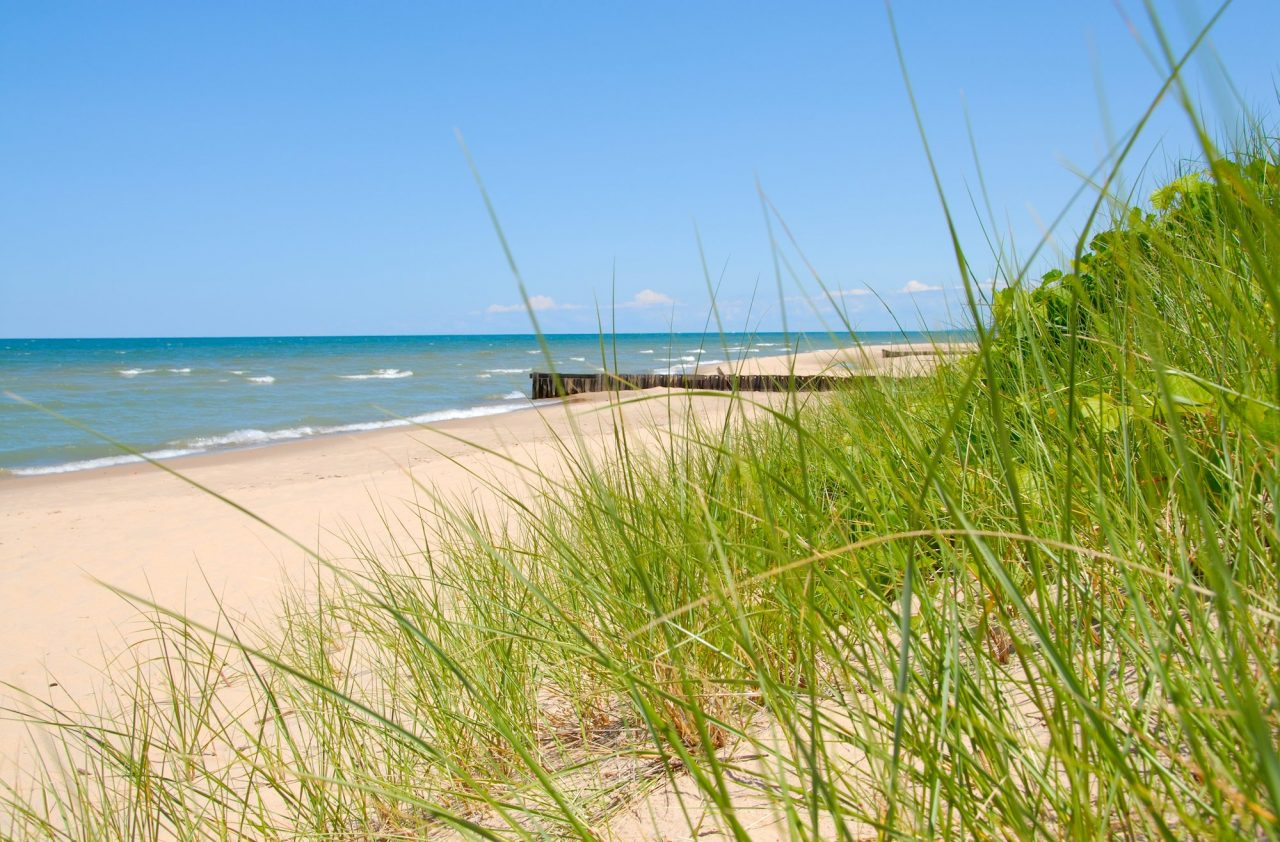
<point x="292" y="168"/>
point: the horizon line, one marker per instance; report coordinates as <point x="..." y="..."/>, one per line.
<point x="493" y="335"/>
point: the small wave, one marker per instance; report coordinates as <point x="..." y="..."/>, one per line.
<point x="378" y="374"/>
<point x="365" y="426"/>
<point x="247" y="437"/>
<point x="646" y="351"/>
<point x="237" y="371"/>
<point x="455" y="414"/>
<point x="514" y="396"/>
<point x="425" y="418"/>
<point x="766" y="344"/>
<point x="266" y="378"/>
<point x="134" y="372"/>
<point x="508" y="370"/>
<point x="243" y="437"/>
<point x="483" y="376"/>
<point x="579" y="359"/>
<point x="101" y="462"/>
<point x="689" y="359"/>
<point x="179" y="371"/>
<point x="534" y="351"/>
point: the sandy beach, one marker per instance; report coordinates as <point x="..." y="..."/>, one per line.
<point x="65" y="538"/>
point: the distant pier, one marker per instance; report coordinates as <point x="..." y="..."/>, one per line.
<point x="544" y="383"/>
<point x="553" y="385"/>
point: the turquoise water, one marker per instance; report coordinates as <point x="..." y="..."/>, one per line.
<point x="174" y="397"/>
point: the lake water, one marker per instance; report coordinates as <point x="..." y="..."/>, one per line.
<point x="173" y="397"/>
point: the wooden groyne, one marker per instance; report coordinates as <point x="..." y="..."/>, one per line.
<point x="932" y="351"/>
<point x="544" y="383"/>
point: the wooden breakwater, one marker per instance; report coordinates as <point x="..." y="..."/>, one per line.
<point x="544" y="383"/>
<point x="931" y="351"/>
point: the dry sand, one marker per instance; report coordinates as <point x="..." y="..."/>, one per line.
<point x="142" y="530"/>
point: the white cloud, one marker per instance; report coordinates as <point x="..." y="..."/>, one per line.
<point x="649" y="298"/>
<point x="914" y="286"/>
<point x="845" y="293"/>
<point x="537" y="303"/>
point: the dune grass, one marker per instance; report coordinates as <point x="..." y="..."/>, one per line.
<point x="1033" y="594"/>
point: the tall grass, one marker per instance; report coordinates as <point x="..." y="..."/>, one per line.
<point x="1033" y="594"/>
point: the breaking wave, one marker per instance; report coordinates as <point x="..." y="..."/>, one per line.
<point x="378" y="374"/>
<point x="101" y="462"/>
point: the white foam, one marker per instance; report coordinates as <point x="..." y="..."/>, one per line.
<point x="534" y="351"/>
<point x="134" y="372"/>
<point x="484" y="375"/>
<point x="240" y="438"/>
<point x="508" y="370"/>
<point x="455" y="414"/>
<point x="425" y="418"/>
<point x="247" y="437"/>
<point x="101" y="462"/>
<point x="266" y="378"/>
<point x="579" y="359"/>
<point x="646" y="351"/>
<point x="238" y="371"/>
<point x="365" y="426"/>
<point x="514" y="396"/>
<point x="379" y="374"/>
<point x="766" y="344"/>
<point x="179" y="371"/>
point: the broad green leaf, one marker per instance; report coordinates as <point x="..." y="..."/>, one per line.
<point x="1103" y="411"/>
<point x="1187" y="394"/>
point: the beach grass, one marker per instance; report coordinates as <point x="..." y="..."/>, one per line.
<point x="1030" y="595"/>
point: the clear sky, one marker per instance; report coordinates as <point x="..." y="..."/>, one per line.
<point x="240" y="168"/>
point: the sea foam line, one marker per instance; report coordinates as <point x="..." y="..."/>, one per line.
<point x="378" y="374"/>
<point x="250" y="436"/>
<point x="102" y="462"/>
